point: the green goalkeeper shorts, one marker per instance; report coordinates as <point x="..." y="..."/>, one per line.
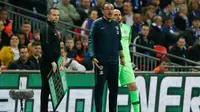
<point x="126" y="75"/>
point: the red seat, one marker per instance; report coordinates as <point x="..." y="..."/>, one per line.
<point x="76" y="30"/>
<point x="161" y="49"/>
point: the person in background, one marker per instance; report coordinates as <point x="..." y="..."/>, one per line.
<point x="14" y="44"/>
<point x="128" y="13"/>
<point x="83" y="10"/>
<point x="143" y="39"/>
<point x="126" y="74"/>
<point x="23" y="41"/>
<point x="36" y="54"/>
<point x="7" y="23"/>
<point x="180" y="50"/>
<point x="92" y="16"/>
<point x="62" y="44"/>
<point x="69" y="43"/>
<point x="158" y="9"/>
<point x="4" y="39"/>
<point x="118" y="4"/>
<point x="164" y="62"/>
<point x="26" y="29"/>
<point x="168" y="25"/>
<point x="136" y="27"/>
<point x="23" y="62"/>
<point x="194" y="52"/>
<point x="195" y="28"/>
<point x="72" y="64"/>
<point x="68" y="13"/>
<point x="36" y="36"/>
<point x="82" y="55"/>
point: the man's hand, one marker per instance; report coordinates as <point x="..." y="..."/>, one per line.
<point x="95" y="61"/>
<point x="54" y="66"/>
<point x="122" y="61"/>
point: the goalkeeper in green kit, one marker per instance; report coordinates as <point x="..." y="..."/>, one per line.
<point x="126" y="74"/>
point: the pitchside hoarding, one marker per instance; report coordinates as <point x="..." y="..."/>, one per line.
<point x="158" y="93"/>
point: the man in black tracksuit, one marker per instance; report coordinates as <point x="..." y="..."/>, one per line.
<point x="104" y="49"/>
<point x="51" y="52"/>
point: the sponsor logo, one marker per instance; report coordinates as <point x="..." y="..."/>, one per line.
<point x="157" y="94"/>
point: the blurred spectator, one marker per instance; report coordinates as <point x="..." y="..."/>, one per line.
<point x="195" y="28"/>
<point x="181" y="20"/>
<point x="164" y="62"/>
<point x="167" y="11"/>
<point x="68" y="13"/>
<point x="6" y="21"/>
<point x="4" y="39"/>
<point x="6" y="56"/>
<point x="59" y="34"/>
<point x="62" y="44"/>
<point x="128" y="13"/>
<point x="136" y="27"/>
<point x="36" y="36"/>
<point x="194" y="8"/>
<point x="26" y="29"/>
<point x="77" y="3"/>
<point x="179" y="50"/>
<point x="83" y="10"/>
<point x="36" y="54"/>
<point x="83" y="56"/>
<point x="194" y="52"/>
<point x="23" y="41"/>
<point x="98" y="7"/>
<point x="118" y="4"/>
<point x="23" y="62"/>
<point x="147" y="15"/>
<point x="156" y="33"/>
<point x="93" y="15"/>
<point x="71" y="52"/>
<point x="72" y="64"/>
<point x="168" y="25"/>
<point x="143" y="40"/>
<point x="52" y="3"/>
<point x="14" y="44"/>
<point x="158" y="9"/>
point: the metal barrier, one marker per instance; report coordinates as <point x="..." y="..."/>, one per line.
<point x="40" y="15"/>
<point x="19" y="19"/>
<point x="169" y="92"/>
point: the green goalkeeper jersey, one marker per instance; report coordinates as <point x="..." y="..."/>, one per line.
<point x="125" y="41"/>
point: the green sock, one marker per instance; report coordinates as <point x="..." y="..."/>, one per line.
<point x="135" y="100"/>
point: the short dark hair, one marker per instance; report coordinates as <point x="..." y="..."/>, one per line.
<point x="167" y="18"/>
<point x="21" y="33"/>
<point x="52" y="8"/>
<point x="3" y="9"/>
<point x="91" y="10"/>
<point x="128" y="1"/>
<point x="145" y="25"/>
<point x="36" y="44"/>
<point x="107" y="3"/>
<point x="23" y="47"/>
<point x="164" y="59"/>
<point x="26" y="22"/>
<point x="195" y="18"/>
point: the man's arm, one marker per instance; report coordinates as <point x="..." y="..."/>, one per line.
<point x="46" y="45"/>
<point x="121" y="54"/>
<point x="91" y="41"/>
<point x="74" y="14"/>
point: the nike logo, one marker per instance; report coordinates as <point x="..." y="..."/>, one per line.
<point x="103" y="28"/>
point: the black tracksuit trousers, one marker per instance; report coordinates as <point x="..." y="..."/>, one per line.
<point x="110" y="74"/>
<point x="45" y="68"/>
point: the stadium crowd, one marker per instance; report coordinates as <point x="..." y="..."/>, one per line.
<point x="169" y="25"/>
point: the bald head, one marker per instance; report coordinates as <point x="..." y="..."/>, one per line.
<point x="117" y="15"/>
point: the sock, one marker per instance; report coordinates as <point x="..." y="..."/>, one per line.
<point x="135" y="100"/>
